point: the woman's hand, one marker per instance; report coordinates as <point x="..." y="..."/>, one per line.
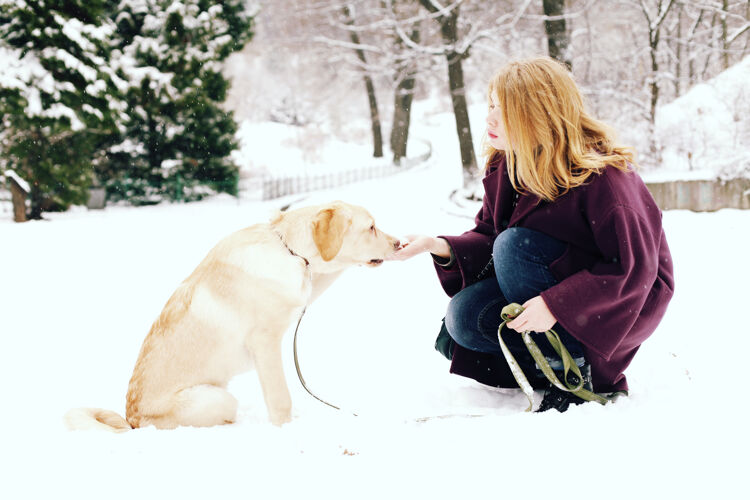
<point x="415" y="244"/>
<point x="536" y="317"/>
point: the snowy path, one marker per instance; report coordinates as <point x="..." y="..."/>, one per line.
<point x="79" y="293"/>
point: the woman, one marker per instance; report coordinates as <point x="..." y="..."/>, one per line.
<point x="567" y="229"/>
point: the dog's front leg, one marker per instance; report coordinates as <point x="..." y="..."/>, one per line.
<point x="266" y="351"/>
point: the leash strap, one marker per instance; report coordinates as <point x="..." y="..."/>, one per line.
<point x="299" y="370"/>
<point x="510" y="312"/>
<point x="296" y="330"/>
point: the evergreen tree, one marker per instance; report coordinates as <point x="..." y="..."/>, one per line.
<point x="177" y="139"/>
<point x="57" y="97"/>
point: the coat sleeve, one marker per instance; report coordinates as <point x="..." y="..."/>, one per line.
<point x="600" y="305"/>
<point x="472" y="251"/>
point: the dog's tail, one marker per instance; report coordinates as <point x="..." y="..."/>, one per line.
<point x="95" y="418"/>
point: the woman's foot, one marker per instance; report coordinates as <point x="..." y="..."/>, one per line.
<point x="561" y="400"/>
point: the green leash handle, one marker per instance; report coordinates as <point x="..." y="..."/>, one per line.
<point x="509" y="313"/>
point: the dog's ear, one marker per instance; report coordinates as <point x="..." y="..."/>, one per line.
<point x="329" y="227"/>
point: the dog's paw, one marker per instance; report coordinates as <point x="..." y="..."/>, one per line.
<point x="280" y="419"/>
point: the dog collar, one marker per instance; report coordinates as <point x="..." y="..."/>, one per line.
<point x="292" y="252"/>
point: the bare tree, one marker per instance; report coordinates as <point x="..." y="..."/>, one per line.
<point x="447" y="18"/>
<point x="386" y="56"/>
<point x="406" y="77"/>
<point x="700" y="37"/>
<point x="558" y="40"/>
<point x="655" y="15"/>
<point x="679" y="48"/>
<point x="724" y="34"/>
<point x="377" y="135"/>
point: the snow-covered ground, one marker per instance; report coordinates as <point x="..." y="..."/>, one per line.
<point x="81" y="289"/>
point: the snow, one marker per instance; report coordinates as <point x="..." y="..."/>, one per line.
<point x="279" y="150"/>
<point x="705" y="129"/>
<point x="11" y="174"/>
<point x="81" y="289"/>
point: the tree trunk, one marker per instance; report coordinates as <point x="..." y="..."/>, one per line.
<point x="654" y="42"/>
<point x="18" y="195"/>
<point x="449" y="33"/>
<point x="402" y="117"/>
<point x="711" y="51"/>
<point x="678" y="54"/>
<point x="377" y="135"/>
<point x="37" y="200"/>
<point x="654" y="34"/>
<point x="724" y="35"/>
<point x="558" y="40"/>
<point x="36" y="196"/>
<point x="461" y="112"/>
<point x="691" y="53"/>
<point x="402" y="107"/>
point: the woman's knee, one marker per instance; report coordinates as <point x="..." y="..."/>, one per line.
<point x="456" y="318"/>
<point x="510" y="247"/>
<point x="465" y="310"/>
<point x="473" y="313"/>
<point x="462" y="324"/>
<point x="522" y="257"/>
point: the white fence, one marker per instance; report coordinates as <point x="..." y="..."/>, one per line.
<point x="275" y="187"/>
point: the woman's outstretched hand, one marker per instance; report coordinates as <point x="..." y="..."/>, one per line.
<point x="536" y="317"/>
<point x="413" y="245"/>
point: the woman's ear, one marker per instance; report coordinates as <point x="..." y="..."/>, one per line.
<point x="328" y="231"/>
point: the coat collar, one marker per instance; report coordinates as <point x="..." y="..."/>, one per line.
<point x="526" y="203"/>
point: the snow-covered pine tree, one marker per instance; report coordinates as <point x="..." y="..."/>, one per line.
<point x="178" y="138"/>
<point x="57" y="98"/>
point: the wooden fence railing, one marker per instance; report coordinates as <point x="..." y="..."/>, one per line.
<point x="276" y="187"/>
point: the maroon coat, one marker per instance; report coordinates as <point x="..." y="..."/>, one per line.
<point x="615" y="277"/>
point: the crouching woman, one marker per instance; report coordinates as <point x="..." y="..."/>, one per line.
<point x="567" y="229"/>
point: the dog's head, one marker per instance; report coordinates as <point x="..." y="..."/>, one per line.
<point x="346" y="234"/>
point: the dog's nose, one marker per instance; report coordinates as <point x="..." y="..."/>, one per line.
<point x="396" y="245"/>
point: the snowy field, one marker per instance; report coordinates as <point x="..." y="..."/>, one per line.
<point x="80" y="291"/>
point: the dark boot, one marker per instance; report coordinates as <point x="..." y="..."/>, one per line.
<point x="444" y="343"/>
<point x="560" y="400"/>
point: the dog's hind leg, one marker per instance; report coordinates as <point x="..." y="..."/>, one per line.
<point x="204" y="406"/>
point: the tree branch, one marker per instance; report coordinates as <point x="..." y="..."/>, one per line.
<point x="347" y="45"/>
<point x="737" y="33"/>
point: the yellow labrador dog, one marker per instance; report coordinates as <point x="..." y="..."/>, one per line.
<point x="231" y="314"/>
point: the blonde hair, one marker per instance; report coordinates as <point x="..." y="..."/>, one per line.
<point x="553" y="144"/>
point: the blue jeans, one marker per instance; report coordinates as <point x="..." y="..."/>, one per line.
<point x="521" y="259"/>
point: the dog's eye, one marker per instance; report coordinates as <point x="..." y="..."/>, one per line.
<point x="372" y="228"/>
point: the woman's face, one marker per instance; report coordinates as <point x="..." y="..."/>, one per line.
<point x="495" y="129"/>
